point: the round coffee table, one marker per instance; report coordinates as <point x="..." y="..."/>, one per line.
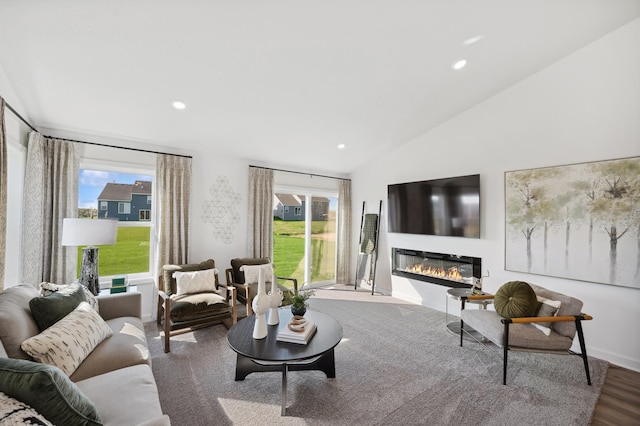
<point x="268" y="354"/>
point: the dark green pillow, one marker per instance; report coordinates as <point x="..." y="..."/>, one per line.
<point x="47" y="390"/>
<point x="515" y="299"/>
<point x="48" y="310"/>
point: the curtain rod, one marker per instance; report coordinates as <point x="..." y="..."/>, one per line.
<point x="90" y="143"/>
<point x="300" y="173"/>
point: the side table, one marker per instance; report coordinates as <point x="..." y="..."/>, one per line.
<point x="456" y="294"/>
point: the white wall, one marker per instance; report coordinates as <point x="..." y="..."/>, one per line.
<point x="585" y="107"/>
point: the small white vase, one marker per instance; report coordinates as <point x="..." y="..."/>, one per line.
<point x="260" y="306"/>
<point x="275" y="299"/>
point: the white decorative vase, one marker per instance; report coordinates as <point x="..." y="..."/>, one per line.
<point x="260" y="306"/>
<point x="275" y="299"/>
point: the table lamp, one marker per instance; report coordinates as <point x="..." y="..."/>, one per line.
<point x="90" y="233"/>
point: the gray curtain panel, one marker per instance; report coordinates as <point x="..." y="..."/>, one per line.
<point x="50" y="195"/>
<point x="3" y="193"/>
<point x="343" y="263"/>
<point x="173" y="193"/>
<point x="260" y="215"/>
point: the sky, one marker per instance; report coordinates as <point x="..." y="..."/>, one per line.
<point x="92" y="182"/>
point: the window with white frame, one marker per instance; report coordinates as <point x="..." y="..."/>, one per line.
<point x="125" y="194"/>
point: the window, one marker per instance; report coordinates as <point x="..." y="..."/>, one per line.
<point x="124" y="208"/>
<point x="127" y="197"/>
<point x="297" y="211"/>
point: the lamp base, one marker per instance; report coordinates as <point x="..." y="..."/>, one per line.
<point x="89" y="270"/>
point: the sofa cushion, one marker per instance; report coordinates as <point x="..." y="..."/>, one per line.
<point x="126" y="347"/>
<point x="14" y="412"/>
<point x="128" y="396"/>
<point x="195" y="281"/>
<point x="48" y="390"/>
<point x="515" y="299"/>
<point x="47" y="289"/>
<point x="16" y="322"/>
<point x="48" y="310"/>
<point x="68" y="342"/>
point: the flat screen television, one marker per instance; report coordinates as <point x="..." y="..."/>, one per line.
<point x="446" y="207"/>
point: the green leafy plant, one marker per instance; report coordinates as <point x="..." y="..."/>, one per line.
<point x="298" y="300"/>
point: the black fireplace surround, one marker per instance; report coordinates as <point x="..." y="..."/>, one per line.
<point x="448" y="270"/>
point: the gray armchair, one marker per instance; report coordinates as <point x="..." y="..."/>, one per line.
<point x="520" y="334"/>
<point x="246" y="292"/>
<point x="185" y="312"/>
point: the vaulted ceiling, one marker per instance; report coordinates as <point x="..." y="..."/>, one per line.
<point x="280" y="81"/>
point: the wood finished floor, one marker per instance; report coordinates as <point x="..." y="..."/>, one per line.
<point x="619" y="402"/>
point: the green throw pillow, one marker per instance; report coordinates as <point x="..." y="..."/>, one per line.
<point x="47" y="390"/>
<point x="48" y="310"/>
<point x="515" y="299"/>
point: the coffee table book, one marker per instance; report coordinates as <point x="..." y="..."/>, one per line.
<point x="299" y="337"/>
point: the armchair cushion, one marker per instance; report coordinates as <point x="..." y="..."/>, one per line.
<point x="187" y="307"/>
<point x="195" y="281"/>
<point x="546" y="308"/>
<point x="515" y="299"/>
<point x="169" y="283"/>
<point x="237" y="264"/>
<point x="252" y="273"/>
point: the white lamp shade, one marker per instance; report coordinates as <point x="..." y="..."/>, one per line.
<point x="89" y="232"/>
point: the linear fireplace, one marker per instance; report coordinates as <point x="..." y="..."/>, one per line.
<point x="444" y="269"/>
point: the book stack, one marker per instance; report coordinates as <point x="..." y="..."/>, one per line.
<point x="301" y="337"/>
<point x="118" y="284"/>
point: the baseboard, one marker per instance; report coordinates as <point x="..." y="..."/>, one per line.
<point x="616" y="359"/>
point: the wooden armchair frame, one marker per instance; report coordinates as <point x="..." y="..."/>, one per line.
<point x="172" y="328"/>
<point x="530" y="320"/>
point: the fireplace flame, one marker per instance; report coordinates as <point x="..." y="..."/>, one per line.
<point x="452" y="273"/>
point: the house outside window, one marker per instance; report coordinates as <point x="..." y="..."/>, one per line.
<point x="120" y="193"/>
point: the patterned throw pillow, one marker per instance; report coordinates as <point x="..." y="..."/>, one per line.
<point x="47" y="289"/>
<point x="547" y="308"/>
<point x="14" y="412"/>
<point x="69" y="341"/>
<point x="195" y="281"/>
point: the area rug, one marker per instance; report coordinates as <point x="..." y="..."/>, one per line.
<point x="397" y="365"/>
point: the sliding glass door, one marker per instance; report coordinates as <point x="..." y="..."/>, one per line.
<point x="304" y="231"/>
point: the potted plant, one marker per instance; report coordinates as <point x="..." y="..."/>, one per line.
<point x="298" y="301"/>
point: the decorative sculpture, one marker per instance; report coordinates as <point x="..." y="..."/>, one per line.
<point x="275" y="299"/>
<point x="260" y="305"/>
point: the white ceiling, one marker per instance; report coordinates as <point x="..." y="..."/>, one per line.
<point x="280" y="81"/>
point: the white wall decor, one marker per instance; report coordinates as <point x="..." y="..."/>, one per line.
<point x="580" y="221"/>
<point x="222" y="212"/>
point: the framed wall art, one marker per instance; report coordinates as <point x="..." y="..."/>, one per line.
<point x="579" y="221"/>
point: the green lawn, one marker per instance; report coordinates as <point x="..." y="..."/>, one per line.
<point x="288" y="250"/>
<point x="129" y="255"/>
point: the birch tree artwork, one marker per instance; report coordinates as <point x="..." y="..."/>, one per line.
<point x="579" y="221"/>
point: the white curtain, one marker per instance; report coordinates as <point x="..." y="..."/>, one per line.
<point x="173" y="193"/>
<point x="343" y="263"/>
<point x="260" y="216"/>
<point x="3" y="193"/>
<point x="50" y="195"/>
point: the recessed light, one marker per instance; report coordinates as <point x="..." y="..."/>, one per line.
<point x="179" y="105"/>
<point x="472" y="40"/>
<point x="341" y="146"/>
<point x="458" y="65"/>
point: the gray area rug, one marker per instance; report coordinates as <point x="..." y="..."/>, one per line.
<point x="397" y="364"/>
